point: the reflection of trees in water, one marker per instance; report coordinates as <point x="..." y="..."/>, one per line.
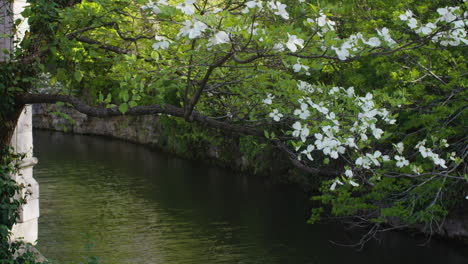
<point x="144" y="207"/>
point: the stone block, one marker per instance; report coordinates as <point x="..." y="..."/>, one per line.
<point x="29" y="211"/>
<point x="26" y="231"/>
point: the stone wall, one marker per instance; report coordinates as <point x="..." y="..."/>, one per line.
<point x="150" y="131"/>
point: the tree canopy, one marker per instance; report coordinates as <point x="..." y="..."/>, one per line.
<point x="368" y="96"/>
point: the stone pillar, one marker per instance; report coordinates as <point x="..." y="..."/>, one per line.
<point x="26" y="228"/>
<point x="22" y="140"/>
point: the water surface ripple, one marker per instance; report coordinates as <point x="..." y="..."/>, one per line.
<point x="128" y="204"/>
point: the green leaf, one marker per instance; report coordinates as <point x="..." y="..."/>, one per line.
<point x="123" y="108"/>
<point x="78" y="76"/>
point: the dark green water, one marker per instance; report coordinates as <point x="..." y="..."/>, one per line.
<point x="139" y="206"/>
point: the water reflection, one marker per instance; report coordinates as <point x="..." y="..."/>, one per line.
<point x="140" y="206"/>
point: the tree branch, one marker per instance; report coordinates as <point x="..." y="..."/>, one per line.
<point x="168" y="110"/>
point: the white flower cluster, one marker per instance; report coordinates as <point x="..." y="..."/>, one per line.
<point x="323" y="22"/>
<point x="155" y="7"/>
<point x="278" y="9"/>
<point x="428" y="153"/>
<point x="306" y="87"/>
<point x="352" y="43"/>
<point x="453" y="37"/>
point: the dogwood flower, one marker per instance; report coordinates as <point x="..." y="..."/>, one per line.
<point x="276" y="115"/>
<point x="155" y="7"/>
<point x="353" y="183"/>
<point x="303" y="113"/>
<point x="269" y="99"/>
<point x="399" y="147"/>
<point x="252" y="4"/>
<point x="373" y="42"/>
<point x="325" y="23"/>
<point x="298" y="67"/>
<point x="401" y="161"/>
<point x="333" y="186"/>
<point x="163" y="43"/>
<point x="308" y="152"/>
<point x="219" y="38"/>
<point x="279" y="9"/>
<point x="426" y="29"/>
<point x="300" y="131"/>
<point x="446" y="14"/>
<point x="406" y="16"/>
<point x="187" y="7"/>
<point x="385" y="34"/>
<point x="305" y="86"/>
<point x="192" y="30"/>
<point x="293" y="42"/>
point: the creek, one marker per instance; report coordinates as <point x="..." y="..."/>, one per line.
<point x="126" y="203"/>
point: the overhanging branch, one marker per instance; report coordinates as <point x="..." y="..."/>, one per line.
<point x="168" y="110"/>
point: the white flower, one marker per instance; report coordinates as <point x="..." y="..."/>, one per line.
<point x="350" y="92"/>
<point x="399" y="147"/>
<point x="342" y="53"/>
<point x="377" y="132"/>
<point x="453" y="156"/>
<point x="293" y="41"/>
<point x="219" y="38"/>
<point x="385" y="33"/>
<point x="425" y="151"/>
<point x="363" y="161"/>
<point x="269" y="99"/>
<point x="162" y="43"/>
<point x="349" y="173"/>
<point x="373" y="157"/>
<point x="216" y="10"/>
<point x="446" y="14"/>
<point x="401" y="161"/>
<point x="279" y="9"/>
<point x="300" y="131"/>
<point x="353" y="183"/>
<point x="303" y="113"/>
<point x="276" y="115"/>
<point x="334" y="90"/>
<point x="426" y="29"/>
<point x="187" y="7"/>
<point x="252" y="4"/>
<point x="298" y="67"/>
<point x="323" y="21"/>
<point x="192" y="30"/>
<point x="444" y="143"/>
<point x="373" y="42"/>
<point x="305" y="86"/>
<point x="412" y="23"/>
<point x="406" y="16"/>
<point x="333" y="186"/>
<point x="278" y="47"/>
<point x="385" y="158"/>
<point x="307" y="152"/>
<point x="154" y="6"/>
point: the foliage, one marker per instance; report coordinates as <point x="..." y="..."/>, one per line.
<point x="10" y="202"/>
<point x="369" y="96"/>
